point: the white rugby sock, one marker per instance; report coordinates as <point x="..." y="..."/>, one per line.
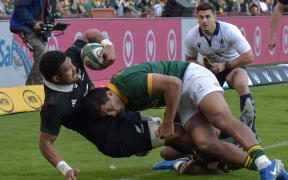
<point x="178" y="164"/>
<point x="262" y="162"/>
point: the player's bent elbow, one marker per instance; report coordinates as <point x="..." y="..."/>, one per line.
<point x="42" y="144"/>
<point x="173" y="83"/>
<point x="177" y="83"/>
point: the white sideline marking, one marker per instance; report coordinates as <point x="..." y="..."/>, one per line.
<point x="285" y="143"/>
<point x="143" y="175"/>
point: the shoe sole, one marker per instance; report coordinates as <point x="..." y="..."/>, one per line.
<point x="247" y="115"/>
<point x="279" y="166"/>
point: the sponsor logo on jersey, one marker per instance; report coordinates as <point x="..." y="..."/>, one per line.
<point x="199" y="45"/>
<point x="73" y="102"/>
<point x="222" y="43"/>
<point x="32" y="99"/>
<point x="139" y="129"/>
<point x="200" y="88"/>
<point x="6" y="103"/>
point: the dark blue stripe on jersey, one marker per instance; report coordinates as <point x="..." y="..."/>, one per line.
<point x="216" y="32"/>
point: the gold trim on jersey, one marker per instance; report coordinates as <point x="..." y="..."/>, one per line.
<point x="113" y="88"/>
<point x="149" y="83"/>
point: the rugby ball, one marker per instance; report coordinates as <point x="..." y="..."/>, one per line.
<point x="90" y="56"/>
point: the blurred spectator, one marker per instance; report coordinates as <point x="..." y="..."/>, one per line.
<point x="215" y="4"/>
<point x="244" y="6"/>
<point x="158" y="10"/>
<point x="235" y="6"/>
<point x="88" y="4"/>
<point x="159" y="6"/>
<point x="254" y="10"/>
<point x="262" y="6"/>
<point x="78" y="7"/>
<point x="126" y="7"/>
<point x="223" y="6"/>
<point x="270" y="4"/>
<point x="2" y="8"/>
<point x="99" y="3"/>
<point x="63" y="7"/>
<point x="229" y="4"/>
<point x="146" y="7"/>
<point x="9" y="6"/>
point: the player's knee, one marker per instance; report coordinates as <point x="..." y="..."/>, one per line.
<point x="221" y="119"/>
<point x="242" y="88"/>
<point x="169" y="153"/>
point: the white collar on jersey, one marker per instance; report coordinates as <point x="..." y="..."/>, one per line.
<point x="56" y="87"/>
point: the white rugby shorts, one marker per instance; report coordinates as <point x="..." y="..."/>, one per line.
<point x="196" y="84"/>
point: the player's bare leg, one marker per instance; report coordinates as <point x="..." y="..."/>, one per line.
<point x="203" y="136"/>
<point x="238" y="79"/>
<point x="215" y="109"/>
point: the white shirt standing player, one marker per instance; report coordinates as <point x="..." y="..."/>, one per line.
<point x="227" y="52"/>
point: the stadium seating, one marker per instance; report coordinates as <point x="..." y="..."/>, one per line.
<point x="102" y="13"/>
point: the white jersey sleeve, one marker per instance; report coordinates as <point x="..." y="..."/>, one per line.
<point x="239" y="42"/>
<point x="191" y="50"/>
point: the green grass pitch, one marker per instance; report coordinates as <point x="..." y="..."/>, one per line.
<point x="20" y="157"/>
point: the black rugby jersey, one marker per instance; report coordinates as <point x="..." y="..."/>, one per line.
<point x="62" y="102"/>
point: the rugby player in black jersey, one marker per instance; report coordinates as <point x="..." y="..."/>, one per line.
<point x="66" y="83"/>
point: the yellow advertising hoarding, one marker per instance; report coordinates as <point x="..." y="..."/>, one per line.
<point x="21" y="99"/>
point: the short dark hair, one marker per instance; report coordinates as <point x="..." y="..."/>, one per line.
<point x="50" y="63"/>
<point x="253" y="5"/>
<point x="94" y="100"/>
<point x="206" y="6"/>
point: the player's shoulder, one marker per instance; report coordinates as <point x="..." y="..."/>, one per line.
<point x="55" y="98"/>
<point x="193" y="32"/>
<point x="227" y="27"/>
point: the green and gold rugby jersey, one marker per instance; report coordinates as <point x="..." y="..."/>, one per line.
<point x="134" y="84"/>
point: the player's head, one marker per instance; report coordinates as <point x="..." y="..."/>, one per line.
<point x="206" y="15"/>
<point x="102" y="102"/>
<point x="254" y="9"/>
<point x="57" y="68"/>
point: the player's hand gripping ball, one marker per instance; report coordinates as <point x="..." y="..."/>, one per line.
<point x="90" y="56"/>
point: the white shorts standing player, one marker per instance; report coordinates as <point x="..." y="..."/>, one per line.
<point x="228" y="52"/>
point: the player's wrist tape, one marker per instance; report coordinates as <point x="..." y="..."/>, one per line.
<point x="63" y="167"/>
<point x="106" y="42"/>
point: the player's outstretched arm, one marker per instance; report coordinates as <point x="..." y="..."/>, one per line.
<point x="47" y="149"/>
<point x="170" y="87"/>
<point x="274" y="24"/>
